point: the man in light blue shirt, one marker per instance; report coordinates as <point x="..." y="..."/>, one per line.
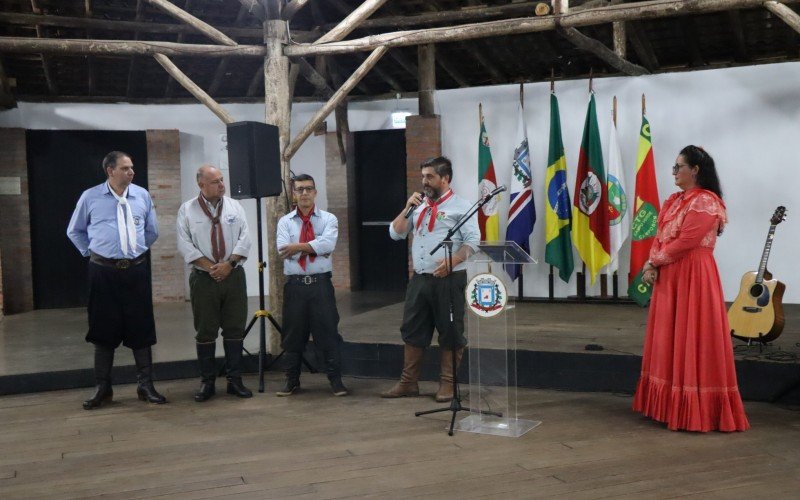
<point x="114" y="224"/>
<point x="434" y="287"/>
<point x="305" y="238"/>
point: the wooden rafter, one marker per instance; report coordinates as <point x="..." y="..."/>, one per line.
<point x="90" y="60"/>
<point x="352" y="21"/>
<point x="7" y="100"/>
<point x="192" y="87"/>
<point x="292" y="8"/>
<point x="196" y="23"/>
<point x="46" y="66"/>
<point x="452" y="71"/>
<point x="222" y="65"/>
<point x="484" y="60"/>
<point x="788" y="16"/>
<point x="603" y="15"/>
<point x="136" y="26"/>
<point x="597" y="48"/>
<point x="169" y="89"/>
<point x="337" y="97"/>
<point x="256" y="82"/>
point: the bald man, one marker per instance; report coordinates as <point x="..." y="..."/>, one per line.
<point x="214" y="241"/>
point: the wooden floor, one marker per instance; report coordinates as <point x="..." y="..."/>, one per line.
<point x="313" y="445"/>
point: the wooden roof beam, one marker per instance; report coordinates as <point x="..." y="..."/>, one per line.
<point x="451" y="71"/>
<point x="334" y="101"/>
<point x="222" y="66"/>
<point x="603" y="15"/>
<point x="135" y="26"/>
<point x="134" y="60"/>
<point x="737" y="30"/>
<point x="352" y="21"/>
<point x="25" y="45"/>
<point x="788" y="16"/>
<point x="192" y="87"/>
<point x="605" y="54"/>
<point x="196" y="23"/>
<point x="292" y="8"/>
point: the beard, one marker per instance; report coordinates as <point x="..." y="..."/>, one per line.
<point x="432" y="192"/>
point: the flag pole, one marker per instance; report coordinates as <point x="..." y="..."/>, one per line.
<point x="615" y="277"/>
<point x="550" y="277"/>
<point x="521" y="277"/>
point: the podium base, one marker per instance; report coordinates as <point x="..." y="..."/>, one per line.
<point x="496" y="426"/>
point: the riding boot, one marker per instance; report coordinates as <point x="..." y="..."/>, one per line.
<point x="412" y="366"/>
<point x="292" y="384"/>
<point x="333" y="368"/>
<point x="233" y="361"/>
<point x="103" y="361"/>
<point x="445" y="392"/>
<point x="144" y="374"/>
<point x="206" y="357"/>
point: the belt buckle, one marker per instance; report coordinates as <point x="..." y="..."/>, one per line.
<point x="123" y="264"/>
<point x="307" y="280"/>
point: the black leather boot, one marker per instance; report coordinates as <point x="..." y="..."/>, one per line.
<point x="333" y="368"/>
<point x="103" y="361"/>
<point x="292" y="384"/>
<point x="144" y="374"/>
<point x="206" y="357"/>
<point x="233" y="360"/>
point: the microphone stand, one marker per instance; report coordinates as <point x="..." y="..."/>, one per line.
<point x="455" y="403"/>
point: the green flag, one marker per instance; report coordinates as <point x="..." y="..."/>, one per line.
<point x="639" y="291"/>
<point x="557" y="213"/>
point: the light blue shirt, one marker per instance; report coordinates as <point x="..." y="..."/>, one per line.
<point x="424" y="241"/>
<point x="326" y="232"/>
<point x="93" y="227"/>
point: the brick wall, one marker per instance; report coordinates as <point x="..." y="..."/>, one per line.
<point x="423" y="141"/>
<point x="338" y="183"/>
<point x="15" y="231"/>
<point x="164" y="178"/>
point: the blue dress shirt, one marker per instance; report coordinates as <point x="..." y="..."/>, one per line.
<point x="326" y="232"/>
<point x="93" y="227"/>
<point x="424" y="241"/>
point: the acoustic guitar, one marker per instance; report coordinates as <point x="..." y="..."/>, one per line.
<point x="757" y="312"/>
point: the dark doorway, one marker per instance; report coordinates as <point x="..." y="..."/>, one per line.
<point x="61" y="165"/>
<point x="380" y="165"/>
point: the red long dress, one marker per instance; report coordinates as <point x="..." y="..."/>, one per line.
<point x="688" y="378"/>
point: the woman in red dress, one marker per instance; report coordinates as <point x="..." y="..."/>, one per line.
<point x="688" y="378"/>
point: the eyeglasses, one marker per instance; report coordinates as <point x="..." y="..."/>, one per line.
<point x="677" y="167"/>
<point x="301" y="190"/>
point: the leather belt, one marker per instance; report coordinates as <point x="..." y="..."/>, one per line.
<point x="116" y="263"/>
<point x="308" y="279"/>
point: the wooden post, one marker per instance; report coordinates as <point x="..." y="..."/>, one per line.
<point x="204" y="28"/>
<point x="620" y="40"/>
<point x="427" y="78"/>
<point x="192" y="87"/>
<point x="276" y="95"/>
<point x="329" y="106"/>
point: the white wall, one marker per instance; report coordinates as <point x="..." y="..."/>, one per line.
<point x="746" y="118"/>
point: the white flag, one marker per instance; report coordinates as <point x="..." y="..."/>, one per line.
<point x="619" y="217"/>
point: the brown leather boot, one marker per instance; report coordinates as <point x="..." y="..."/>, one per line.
<point x="412" y="366"/>
<point x="445" y="392"/>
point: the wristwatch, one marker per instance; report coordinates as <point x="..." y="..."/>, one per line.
<point x="234" y="263"/>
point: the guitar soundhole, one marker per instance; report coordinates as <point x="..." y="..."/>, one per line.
<point x="756" y="290"/>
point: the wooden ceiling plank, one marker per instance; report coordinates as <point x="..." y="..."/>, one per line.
<point x="46" y="63"/>
<point x="193" y="88"/>
<point x="134" y="60"/>
<point x="605" y="54"/>
<point x="641" y="45"/>
<point x="737" y="31"/>
<point x="786" y="14"/>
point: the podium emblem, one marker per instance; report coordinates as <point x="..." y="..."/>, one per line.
<point x="486" y="295"/>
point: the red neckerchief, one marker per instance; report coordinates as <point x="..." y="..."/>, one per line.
<point x="217" y="240"/>
<point x="433" y="206"/>
<point x="306" y="235"/>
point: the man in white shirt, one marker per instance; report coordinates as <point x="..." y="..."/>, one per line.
<point x="214" y="240"/>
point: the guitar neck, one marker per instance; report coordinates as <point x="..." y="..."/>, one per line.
<point x="762" y="267"/>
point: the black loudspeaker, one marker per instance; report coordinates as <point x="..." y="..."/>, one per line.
<point x="254" y="160"/>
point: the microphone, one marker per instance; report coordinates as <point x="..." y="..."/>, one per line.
<point x="412" y="208"/>
<point x="495" y="192"/>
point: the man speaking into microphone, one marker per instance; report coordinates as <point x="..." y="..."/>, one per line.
<point x="434" y="286"/>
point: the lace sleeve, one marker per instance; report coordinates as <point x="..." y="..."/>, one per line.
<point x="696" y="225"/>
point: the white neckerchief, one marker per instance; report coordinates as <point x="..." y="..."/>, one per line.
<point x="125" y="221"/>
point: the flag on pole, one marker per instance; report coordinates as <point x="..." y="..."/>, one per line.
<point x="618" y="214"/>
<point x="521" y="211"/>
<point x="557" y="214"/>
<point x="645" y="214"/>
<point x="590" y="207"/>
<point x="488" y="217"/>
